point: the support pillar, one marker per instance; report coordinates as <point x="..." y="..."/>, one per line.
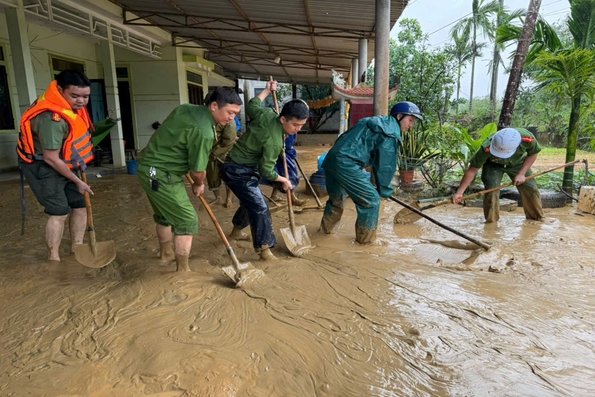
<point x="113" y="99"/>
<point x="381" y="57"/>
<point x="21" y="57"/>
<point x="342" y="127"/>
<point x="354" y="72"/>
<point x="362" y="57"/>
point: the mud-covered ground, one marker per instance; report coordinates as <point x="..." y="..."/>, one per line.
<point x="419" y="314"/>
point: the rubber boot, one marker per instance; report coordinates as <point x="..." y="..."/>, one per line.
<point x="166" y="252"/>
<point x="276" y="195"/>
<point x="491" y="207"/>
<point x="266" y="254"/>
<point x="364" y="235"/>
<point x="182" y="263"/>
<point x="238" y="234"/>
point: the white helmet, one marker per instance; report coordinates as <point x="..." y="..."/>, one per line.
<point x="505" y="142"/>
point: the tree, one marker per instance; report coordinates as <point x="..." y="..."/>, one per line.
<point x="462" y="51"/>
<point x="503" y="16"/>
<point x="517" y="65"/>
<point x="427" y="77"/>
<point x="567" y="69"/>
<point x="480" y="19"/>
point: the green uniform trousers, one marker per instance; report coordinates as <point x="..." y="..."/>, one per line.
<point x="491" y="176"/>
<point x="213" y="178"/>
<point x="170" y="202"/>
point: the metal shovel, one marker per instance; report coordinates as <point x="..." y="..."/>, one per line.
<point x="95" y="254"/>
<point x="296" y="238"/>
<point x="406" y="216"/>
<point x="238" y="272"/>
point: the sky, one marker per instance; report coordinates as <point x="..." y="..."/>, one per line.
<point x="437" y="18"/>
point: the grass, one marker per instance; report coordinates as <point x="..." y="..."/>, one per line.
<point x="551" y="156"/>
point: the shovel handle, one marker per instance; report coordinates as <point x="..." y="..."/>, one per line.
<point x="275" y="97"/>
<point x="90" y="225"/>
<point x="217" y="226"/>
<point x="461" y="234"/>
<point x="289" y="204"/>
<point x="308" y="183"/>
<point x="493" y="189"/>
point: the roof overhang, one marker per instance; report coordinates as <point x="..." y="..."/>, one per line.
<point x="297" y="41"/>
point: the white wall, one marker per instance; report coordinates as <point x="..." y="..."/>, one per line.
<point x="158" y="86"/>
<point x="44" y="42"/>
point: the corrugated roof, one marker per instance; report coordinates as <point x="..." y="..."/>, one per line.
<point x="311" y="37"/>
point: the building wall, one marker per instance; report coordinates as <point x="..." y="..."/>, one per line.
<point x="44" y="43"/>
<point x="158" y="86"/>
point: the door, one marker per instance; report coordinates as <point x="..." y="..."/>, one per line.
<point x="126" y="114"/>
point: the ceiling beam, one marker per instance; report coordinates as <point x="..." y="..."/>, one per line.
<point x="173" y="20"/>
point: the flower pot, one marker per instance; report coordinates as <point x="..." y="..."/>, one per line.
<point x="406" y="175"/>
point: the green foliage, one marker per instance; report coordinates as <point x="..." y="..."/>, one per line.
<point x="427" y="77"/>
<point x="415" y="148"/>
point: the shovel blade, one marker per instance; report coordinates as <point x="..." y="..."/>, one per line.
<point x="299" y="210"/>
<point x="299" y="243"/>
<point x="406" y="216"/>
<point x="104" y="254"/>
<point x="244" y="274"/>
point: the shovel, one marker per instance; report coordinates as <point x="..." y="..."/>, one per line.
<point x="237" y="272"/>
<point x="95" y="254"/>
<point x="319" y="204"/>
<point x="296" y="238"/>
<point x="406" y="216"/>
<point x="434" y="221"/>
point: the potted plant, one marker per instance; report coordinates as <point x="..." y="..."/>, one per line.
<point x="414" y="151"/>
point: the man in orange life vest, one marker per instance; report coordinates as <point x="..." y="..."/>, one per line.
<point x="54" y="141"/>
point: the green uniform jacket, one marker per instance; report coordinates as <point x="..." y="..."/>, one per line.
<point x="183" y="142"/>
<point x="528" y="146"/>
<point x="226" y="138"/>
<point x="262" y="143"/>
<point x="372" y="141"/>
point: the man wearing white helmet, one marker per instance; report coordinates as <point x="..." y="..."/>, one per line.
<point x="511" y="151"/>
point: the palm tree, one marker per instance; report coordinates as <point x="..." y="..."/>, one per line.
<point x="480" y="20"/>
<point x="462" y="51"/>
<point x="502" y="17"/>
<point x="569" y="71"/>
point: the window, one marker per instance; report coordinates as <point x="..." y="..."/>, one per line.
<point x="6" y="116"/>
<point x="122" y="73"/>
<point x="61" y="64"/>
<point x="195" y="88"/>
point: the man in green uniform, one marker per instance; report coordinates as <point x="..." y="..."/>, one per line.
<point x="226" y="137"/>
<point x="254" y="156"/>
<point x="509" y="151"/>
<point x="182" y="145"/>
<point x="372" y="141"/>
<point x="57" y="188"/>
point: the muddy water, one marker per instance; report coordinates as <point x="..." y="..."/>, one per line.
<point x="419" y="314"/>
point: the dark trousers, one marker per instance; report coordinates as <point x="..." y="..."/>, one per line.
<point x="243" y="180"/>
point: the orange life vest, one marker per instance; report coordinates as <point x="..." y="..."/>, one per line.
<point x="77" y="148"/>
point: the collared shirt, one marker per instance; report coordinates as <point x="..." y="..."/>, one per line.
<point x="263" y="141"/>
<point x="48" y="132"/>
<point x="528" y="147"/>
<point x="183" y="142"/>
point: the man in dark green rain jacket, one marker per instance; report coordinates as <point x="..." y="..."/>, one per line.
<point x="372" y="141"/>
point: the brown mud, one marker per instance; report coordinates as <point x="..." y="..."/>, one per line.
<point x="419" y="313"/>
